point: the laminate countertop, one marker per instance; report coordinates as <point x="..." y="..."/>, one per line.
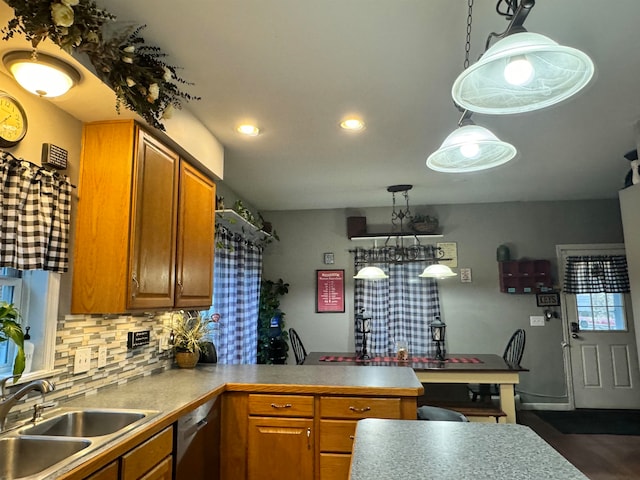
<point x="423" y="450"/>
<point x="178" y="391"/>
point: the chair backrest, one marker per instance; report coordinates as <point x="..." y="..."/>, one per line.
<point x="515" y="348"/>
<point x="298" y="347"/>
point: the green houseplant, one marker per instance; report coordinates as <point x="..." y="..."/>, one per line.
<point x="10" y="329"/>
<point x="272" y="349"/>
<point x="187" y="332"/>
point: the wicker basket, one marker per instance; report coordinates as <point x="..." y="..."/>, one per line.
<point x="427" y="226"/>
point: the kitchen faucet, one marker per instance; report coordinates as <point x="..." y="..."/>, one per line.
<point x="44" y="386"/>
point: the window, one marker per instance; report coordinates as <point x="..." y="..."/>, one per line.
<point x="601" y="311"/>
<point x="35" y="293"/>
<point x="10" y="292"/>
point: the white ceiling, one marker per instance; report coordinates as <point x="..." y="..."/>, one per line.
<point x="297" y="67"/>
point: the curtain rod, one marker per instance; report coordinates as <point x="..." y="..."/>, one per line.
<point x="9" y="154"/>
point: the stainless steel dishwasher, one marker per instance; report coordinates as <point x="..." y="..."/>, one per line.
<point x="198" y="443"/>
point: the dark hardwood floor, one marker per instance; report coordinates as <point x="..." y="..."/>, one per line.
<point x="599" y="457"/>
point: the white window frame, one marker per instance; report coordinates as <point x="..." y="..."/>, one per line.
<point x="39" y="297"/>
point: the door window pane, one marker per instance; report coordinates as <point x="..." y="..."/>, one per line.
<point x="601" y="311"/>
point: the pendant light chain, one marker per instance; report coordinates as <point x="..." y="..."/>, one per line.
<point x="467" y="46"/>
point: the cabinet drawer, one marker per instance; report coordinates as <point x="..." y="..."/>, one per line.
<point x="359" y="407"/>
<point x="337" y="435"/>
<point x="334" y="466"/>
<point x="141" y="459"/>
<point x="281" y="405"/>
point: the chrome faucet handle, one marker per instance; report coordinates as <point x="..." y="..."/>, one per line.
<point x="3" y="386"/>
<point x="38" y="408"/>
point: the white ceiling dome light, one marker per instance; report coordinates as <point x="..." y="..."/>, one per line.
<point x="41" y="74"/>
<point x="522" y="72"/>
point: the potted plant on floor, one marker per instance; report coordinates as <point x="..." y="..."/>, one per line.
<point x="187" y="332"/>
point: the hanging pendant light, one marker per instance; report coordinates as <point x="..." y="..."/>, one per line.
<point x="437" y="270"/>
<point x="521" y="73"/>
<point x="470" y="148"/>
<point x="371" y="273"/>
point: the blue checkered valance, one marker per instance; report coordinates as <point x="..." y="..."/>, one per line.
<point x="596" y="274"/>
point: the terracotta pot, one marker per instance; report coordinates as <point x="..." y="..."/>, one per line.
<point x="187" y="359"/>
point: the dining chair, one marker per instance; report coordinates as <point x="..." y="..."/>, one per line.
<point x="298" y="348"/>
<point x="512" y="355"/>
<point x="428" y="412"/>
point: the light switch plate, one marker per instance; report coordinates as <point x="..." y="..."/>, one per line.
<point x="82" y="360"/>
<point x="536" y="321"/>
<point x="102" y="356"/>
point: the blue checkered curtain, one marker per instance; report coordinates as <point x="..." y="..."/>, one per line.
<point x="34" y="224"/>
<point x="596" y="274"/>
<point x="400" y="307"/>
<point x="236" y="297"/>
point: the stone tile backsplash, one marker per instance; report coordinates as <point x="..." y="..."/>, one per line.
<point x="75" y="331"/>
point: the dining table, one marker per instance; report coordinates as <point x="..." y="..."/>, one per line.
<point x="454" y="369"/>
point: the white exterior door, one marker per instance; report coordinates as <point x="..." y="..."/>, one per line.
<point x="600" y="342"/>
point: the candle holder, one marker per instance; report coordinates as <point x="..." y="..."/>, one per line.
<point x="438" y="330"/>
<point x="363" y="326"/>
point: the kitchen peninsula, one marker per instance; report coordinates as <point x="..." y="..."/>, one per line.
<point x="417" y="450"/>
<point x="263" y="409"/>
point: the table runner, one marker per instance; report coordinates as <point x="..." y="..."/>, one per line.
<point x="333" y="358"/>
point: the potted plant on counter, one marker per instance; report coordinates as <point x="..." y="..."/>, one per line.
<point x="10" y="329"/>
<point x="187" y="332"/>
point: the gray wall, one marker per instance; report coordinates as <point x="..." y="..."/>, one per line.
<point x="479" y="317"/>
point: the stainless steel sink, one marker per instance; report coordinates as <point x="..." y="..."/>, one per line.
<point x="86" y="423"/>
<point x="42" y="449"/>
<point x="24" y="456"/>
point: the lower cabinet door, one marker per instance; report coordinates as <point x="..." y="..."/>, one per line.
<point x="162" y="471"/>
<point x="280" y="448"/>
<point x="110" y="472"/>
<point x="334" y="466"/>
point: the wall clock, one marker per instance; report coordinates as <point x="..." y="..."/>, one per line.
<point x="13" y="121"/>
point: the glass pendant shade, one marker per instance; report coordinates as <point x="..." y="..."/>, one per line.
<point x="468" y="149"/>
<point x="371" y="273"/>
<point x="41" y="74"/>
<point x="437" y="270"/>
<point x="521" y="73"/>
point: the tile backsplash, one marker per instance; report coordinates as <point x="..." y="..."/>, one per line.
<point x="76" y="331"/>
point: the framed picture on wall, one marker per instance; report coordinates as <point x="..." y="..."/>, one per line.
<point x="329" y="291"/>
<point x="548" y="299"/>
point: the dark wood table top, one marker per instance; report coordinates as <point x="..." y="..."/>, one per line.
<point x="462" y="362"/>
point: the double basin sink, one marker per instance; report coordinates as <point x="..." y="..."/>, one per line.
<point x="36" y="450"/>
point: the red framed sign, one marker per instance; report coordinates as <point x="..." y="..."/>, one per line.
<point x="329" y="291"/>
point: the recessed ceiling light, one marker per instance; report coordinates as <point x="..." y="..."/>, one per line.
<point x="352" y="124"/>
<point x="249" y="130"/>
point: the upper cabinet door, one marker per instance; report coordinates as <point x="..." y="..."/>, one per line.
<point x="153" y="225"/>
<point x="194" y="261"/>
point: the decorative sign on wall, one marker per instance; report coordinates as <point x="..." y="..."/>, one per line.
<point x="329" y="291"/>
<point x="449" y="250"/>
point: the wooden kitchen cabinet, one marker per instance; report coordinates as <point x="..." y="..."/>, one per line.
<point x="145" y="225"/>
<point x="110" y="472"/>
<point x="297" y="436"/>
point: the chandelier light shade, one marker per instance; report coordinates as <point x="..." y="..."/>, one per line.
<point x="468" y="149"/>
<point x="437" y="270"/>
<point x="522" y="72"/>
<point x="371" y="273"/>
<point x="41" y="74"/>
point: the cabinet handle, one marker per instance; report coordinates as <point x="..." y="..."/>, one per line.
<point x="359" y="410"/>
<point x="309" y="438"/>
<point x="181" y="287"/>
<point x="286" y="405"/>
<point x="136" y="285"/>
<point x="352" y="437"/>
